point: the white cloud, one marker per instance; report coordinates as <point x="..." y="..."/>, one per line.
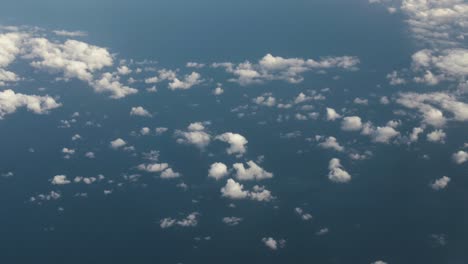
<point x="304" y="216"/>
<point x="60" y="180"/>
<point x="218" y="91"/>
<point x="287" y="69"/>
<point x="75" y="59"/>
<point x="441" y="183"/>
<point x="351" y="123"/>
<point x="460" y="157"/>
<point x="265" y="101"/>
<point x="218" y="170"/>
<point x="383" y="134"/>
<point x="331" y="143"/>
<point x="337" y="172"/>
<point x="253" y="172"/>
<point x="145" y="131"/>
<point x="426" y="104"/>
<point x="66" y="33"/>
<point x="415" y="133"/>
<point x="190" y="220"/>
<point x="11" y="101"/>
<point x="153" y="167"/>
<point x="234" y="190"/>
<point x="272" y="244"/>
<point x="237" y="143"/>
<point x="189" y="80"/>
<point x="395" y="79"/>
<point x="118" y="143"/>
<point x="169" y="174"/>
<point x="436" y="21"/>
<point x="232" y="220"/>
<point x="332" y="115"/>
<point x="139" y="111"/>
<point x="437" y="135"/>
<point x="110" y="83"/>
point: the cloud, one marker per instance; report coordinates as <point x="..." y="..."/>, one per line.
<point x="60" y="180"/>
<point x="253" y="172"/>
<point x="383" y="134"/>
<point x="337" y="173"/>
<point x="460" y="157"/>
<point x="440" y="65"/>
<point x="331" y="143"/>
<point x="189" y="80"/>
<point x="232" y="220"/>
<point x="190" y="220"/>
<point x="304" y="216"/>
<point x="194" y="136"/>
<point x="139" y="111"/>
<point x="218" y="171"/>
<point x="272" y="244"/>
<point x="351" y="123"/>
<point x="169" y="174"/>
<point x="332" y="115"/>
<point x="75" y="59"/>
<point x="426" y="104"/>
<point x="66" y="33"/>
<point x="441" y="183"/>
<point x="118" y="143"/>
<point x="271" y="68"/>
<point x="237" y="143"/>
<point x="11" y="101"/>
<point x="153" y="167"/>
<point x="436" y="21"/>
<point x="437" y="135"/>
<point x="234" y="190"/>
<point x="110" y="83"/>
<point x="269" y="101"/>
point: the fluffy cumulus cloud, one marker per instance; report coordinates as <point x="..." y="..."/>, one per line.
<point x="139" y="111"/>
<point x="234" y="190"/>
<point x="169" y="174"/>
<point x="273" y="244"/>
<point x="60" y="180"/>
<point x="117" y="143"/>
<point x="437" y="21"/>
<point x="190" y="220"/>
<point x="430" y="105"/>
<point x="11" y="101"/>
<point x="237" y="143"/>
<point x="195" y="135"/>
<point x="337" y="172"/>
<point x="186" y="83"/>
<point x="435" y="66"/>
<point x="331" y="143"/>
<point x="332" y="115"/>
<point x="460" y="157"/>
<point x="75" y="59"/>
<point x="437" y="135"/>
<point x="70" y="59"/>
<point x="232" y="220"/>
<point x="153" y="167"/>
<point x="441" y="183"/>
<point x="379" y="134"/>
<point x="252" y="172"/>
<point x="351" y="123"/>
<point x="218" y="170"/>
<point x="290" y="70"/>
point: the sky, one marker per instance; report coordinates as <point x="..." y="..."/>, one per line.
<point x="234" y="131"/>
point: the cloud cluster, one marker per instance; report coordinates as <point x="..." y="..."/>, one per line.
<point x="190" y="220"/>
<point x="252" y="172"/>
<point x="337" y="172"/>
<point x="290" y="70"/>
<point x="235" y="190"/>
<point x="237" y="143"/>
<point x="11" y="101"/>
